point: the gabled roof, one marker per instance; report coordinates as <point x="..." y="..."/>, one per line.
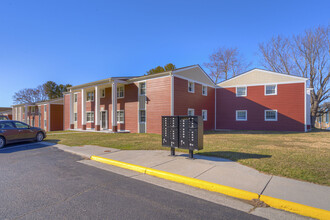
<point x="259" y="76"/>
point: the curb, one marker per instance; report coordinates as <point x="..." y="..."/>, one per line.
<point x="227" y="190"/>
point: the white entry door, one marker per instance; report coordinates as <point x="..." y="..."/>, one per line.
<point x="104" y="120"/>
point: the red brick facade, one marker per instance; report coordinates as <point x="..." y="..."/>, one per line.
<point x="289" y="102"/>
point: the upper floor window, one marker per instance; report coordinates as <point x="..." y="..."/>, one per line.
<point x="270" y="115"/>
<point x="241" y="115"/>
<point x="241" y="91"/>
<point x="204" y="115"/>
<point x="120" y="92"/>
<point x="191" y="87"/>
<point x="33" y="109"/>
<point x="142" y="88"/>
<point x="90" y="96"/>
<point x="102" y="93"/>
<point x="204" y="90"/>
<point x="271" y="90"/>
<point x="76" y="97"/>
<point x="191" y="112"/>
<point x="45" y="109"/>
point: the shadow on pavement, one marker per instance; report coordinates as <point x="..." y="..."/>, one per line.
<point x="230" y="155"/>
<point x="26" y="145"/>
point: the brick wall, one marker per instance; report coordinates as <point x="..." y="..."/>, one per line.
<point x="66" y="112"/>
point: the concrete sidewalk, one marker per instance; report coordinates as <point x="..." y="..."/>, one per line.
<point x="216" y="170"/>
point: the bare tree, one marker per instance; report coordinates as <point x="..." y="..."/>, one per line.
<point x="226" y="63"/>
<point x="30" y="95"/>
<point x="306" y="55"/>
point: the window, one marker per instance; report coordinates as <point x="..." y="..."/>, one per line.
<point x="90" y="116"/>
<point x="191" y="87"/>
<point x="142" y="116"/>
<point x="121" y="116"/>
<point x="191" y="112"/>
<point x="90" y="96"/>
<point x="120" y="92"/>
<point x="75" y="116"/>
<point x="33" y="109"/>
<point x="20" y="125"/>
<point x="102" y="93"/>
<point x="241" y="91"/>
<point x="142" y="86"/>
<point x="45" y="110"/>
<point x="6" y="125"/>
<point x="76" y="97"/>
<point x="271" y="90"/>
<point x="204" y="90"/>
<point x="241" y="115"/>
<point x="204" y="115"/>
<point x="270" y="115"/>
<point x="45" y="123"/>
<point x="327" y="117"/>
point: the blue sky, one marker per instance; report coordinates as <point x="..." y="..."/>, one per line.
<point x="81" y="41"/>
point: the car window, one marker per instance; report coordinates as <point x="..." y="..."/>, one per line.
<point x="20" y="125"/>
<point x="6" y="125"/>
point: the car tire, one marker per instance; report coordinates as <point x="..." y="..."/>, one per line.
<point x="2" y="142"/>
<point x="39" y="137"/>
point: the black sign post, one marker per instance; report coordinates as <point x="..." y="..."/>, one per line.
<point x="184" y="132"/>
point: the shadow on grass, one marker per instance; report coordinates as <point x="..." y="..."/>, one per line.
<point x="233" y="156"/>
<point x="249" y="132"/>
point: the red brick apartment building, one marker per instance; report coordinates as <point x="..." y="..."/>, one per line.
<point x="255" y="100"/>
<point x="47" y="115"/>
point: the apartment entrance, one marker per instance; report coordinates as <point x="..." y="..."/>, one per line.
<point x="104" y="120"/>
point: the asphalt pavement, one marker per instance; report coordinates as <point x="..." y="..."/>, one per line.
<point x="43" y="182"/>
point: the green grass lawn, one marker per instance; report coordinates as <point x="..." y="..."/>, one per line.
<point x="303" y="156"/>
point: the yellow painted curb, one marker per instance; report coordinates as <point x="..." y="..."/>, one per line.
<point x="227" y="190"/>
<point x="296" y="207"/>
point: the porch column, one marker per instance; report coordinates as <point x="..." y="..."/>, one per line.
<point x="97" y="108"/>
<point x="21" y="114"/>
<point x="26" y="112"/>
<point x="83" y="109"/>
<point x="114" y="107"/>
<point x="71" y="112"/>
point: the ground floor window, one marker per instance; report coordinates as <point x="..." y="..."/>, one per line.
<point x="204" y="115"/>
<point x="121" y="116"/>
<point x="90" y="116"/>
<point x="241" y="115"/>
<point x="270" y="115"/>
<point x="75" y="116"/>
<point x="191" y="112"/>
<point x="142" y="116"/>
<point x="45" y="123"/>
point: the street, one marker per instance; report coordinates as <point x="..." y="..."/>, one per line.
<point x="43" y="182"/>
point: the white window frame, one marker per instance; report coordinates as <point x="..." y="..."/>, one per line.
<point x="91" y="118"/>
<point x="205" y="90"/>
<point x="245" y="91"/>
<point x="271" y="110"/>
<point x="145" y="88"/>
<point x="102" y="93"/>
<point x="246" y="118"/>
<point x="75" y="98"/>
<point x="204" y="111"/>
<point x="193" y="87"/>
<point x="92" y="97"/>
<point x="118" y="92"/>
<point x="191" y="109"/>
<point x="75" y="115"/>
<point x="118" y="116"/>
<point x="145" y="116"/>
<point x="271" y="85"/>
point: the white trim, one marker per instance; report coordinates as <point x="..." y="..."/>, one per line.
<point x="106" y="120"/>
<point x="271" y="110"/>
<point x="206" y="114"/>
<point x="203" y="86"/>
<point x="121" y="97"/>
<point x="245" y="115"/>
<point x="195" y="81"/>
<point x="193" y="87"/>
<point x="191" y="109"/>
<point x="245" y="91"/>
<point x="266" y="71"/>
<point x="121" y="122"/>
<point x="145" y="88"/>
<point x="172" y="95"/>
<point x="193" y="67"/>
<point x="305" y="109"/>
<point x="260" y="84"/>
<point x="90" y="117"/>
<point x="265" y="88"/>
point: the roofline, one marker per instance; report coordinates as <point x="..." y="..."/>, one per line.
<point x="268" y="71"/>
<point x="99" y="82"/>
<point x="50" y="100"/>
